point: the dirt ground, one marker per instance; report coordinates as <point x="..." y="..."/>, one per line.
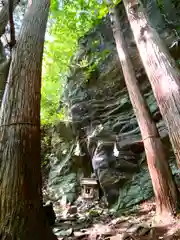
<point x="92" y="220"/>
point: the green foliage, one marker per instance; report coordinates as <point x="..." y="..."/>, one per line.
<point x="68" y="21"/>
<point x="160" y="4"/>
<point x="91" y="67"/>
<point x="176" y="3"/>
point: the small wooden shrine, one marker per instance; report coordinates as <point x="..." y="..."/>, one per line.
<point x="89" y="188"/>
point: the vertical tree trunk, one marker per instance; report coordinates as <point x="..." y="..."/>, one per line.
<point x="165" y="190"/>
<point x="4" y="70"/>
<point x="21" y="211"/>
<point x="161" y="69"/>
<point x="4" y="62"/>
<point x="4" y="14"/>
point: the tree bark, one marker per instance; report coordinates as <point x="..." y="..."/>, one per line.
<point x="161" y="69"/>
<point x="165" y="190"/>
<point x="21" y="211"/>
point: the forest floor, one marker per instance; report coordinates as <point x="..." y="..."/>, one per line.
<point x="92" y="220"/>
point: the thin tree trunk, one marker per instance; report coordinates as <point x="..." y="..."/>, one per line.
<point x="4" y="14"/>
<point x="21" y="211"/>
<point x="161" y="69"/>
<point x="4" y="70"/>
<point x="165" y="190"/>
<point x="4" y="62"/>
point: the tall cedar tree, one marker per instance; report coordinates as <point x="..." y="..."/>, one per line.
<point x="165" y="190"/>
<point x="161" y="70"/>
<point x="21" y="211"/>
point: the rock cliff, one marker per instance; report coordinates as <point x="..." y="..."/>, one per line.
<point x="103" y="124"/>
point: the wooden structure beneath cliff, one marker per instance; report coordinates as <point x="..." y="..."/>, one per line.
<point x="89" y="188"/>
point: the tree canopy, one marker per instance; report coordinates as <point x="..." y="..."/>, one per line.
<point x="68" y="21"/>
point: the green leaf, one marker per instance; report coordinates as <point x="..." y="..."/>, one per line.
<point x="68" y="21"/>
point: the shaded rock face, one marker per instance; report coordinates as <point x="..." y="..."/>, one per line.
<point x="102" y="114"/>
<point x="66" y="166"/>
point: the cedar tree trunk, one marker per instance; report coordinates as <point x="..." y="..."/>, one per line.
<point x="165" y="190"/>
<point x="161" y="69"/>
<point x="21" y="211"/>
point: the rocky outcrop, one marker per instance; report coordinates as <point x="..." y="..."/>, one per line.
<point x="102" y="114"/>
<point x="103" y="121"/>
<point x="65" y="160"/>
